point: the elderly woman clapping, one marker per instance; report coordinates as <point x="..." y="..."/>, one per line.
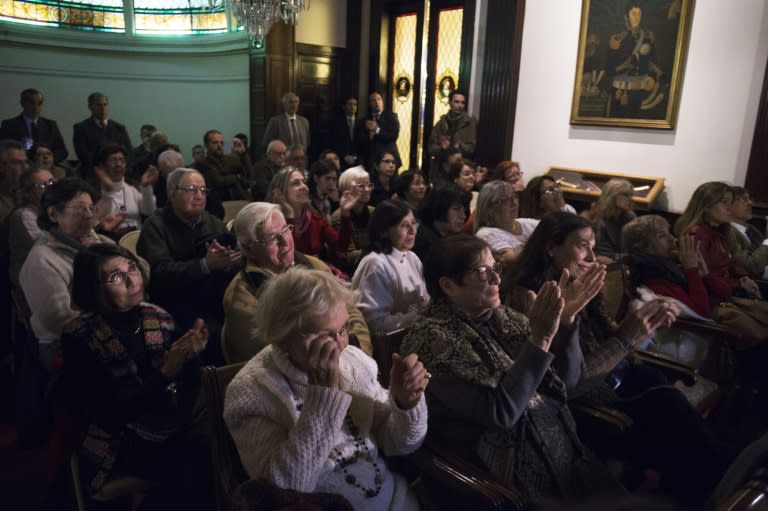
<point x="307" y="412"/>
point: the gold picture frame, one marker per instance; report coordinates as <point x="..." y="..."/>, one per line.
<point x="630" y="63"/>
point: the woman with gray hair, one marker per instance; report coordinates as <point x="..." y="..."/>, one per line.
<point x="312" y="234"/>
<point x="496" y="220"/>
<point x="307" y="413"/>
<point x="355" y="181"/>
<point x="614" y="211"/>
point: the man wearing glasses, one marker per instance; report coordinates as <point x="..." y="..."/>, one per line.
<point x="266" y="241"/>
<point x="191" y="256"/>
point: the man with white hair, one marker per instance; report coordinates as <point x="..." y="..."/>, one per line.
<point x="266" y="242"/>
<point x="290" y="127"/>
<point x="191" y="255"/>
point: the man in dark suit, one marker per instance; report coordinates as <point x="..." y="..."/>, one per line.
<point x="377" y="133"/>
<point x="30" y="128"/>
<point x="97" y="131"/>
<point x="342" y="136"/>
<point x="290" y="127"/>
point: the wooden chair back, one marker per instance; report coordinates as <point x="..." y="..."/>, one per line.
<point x="384" y="345"/>
<point x="228" y="471"/>
<point x="130" y="240"/>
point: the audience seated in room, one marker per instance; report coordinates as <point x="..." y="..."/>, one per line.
<point x="135" y="379"/>
<point x="266" y="168"/>
<point x="411" y="188"/>
<point x="496" y="221"/>
<point x="508" y="171"/>
<point x="226" y="174"/>
<point x="67" y="218"/>
<point x="667" y="434"/>
<point x="307" y="413"/>
<point x="40" y="156"/>
<point x="389" y="278"/>
<point x="383" y="178"/>
<point x="267" y="246"/>
<point x="495" y="397"/>
<point x="191" y="255"/>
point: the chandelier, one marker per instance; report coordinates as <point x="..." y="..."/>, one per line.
<point x="258" y="16"/>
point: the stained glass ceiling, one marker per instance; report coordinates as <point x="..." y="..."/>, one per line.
<point x="168" y="17"/>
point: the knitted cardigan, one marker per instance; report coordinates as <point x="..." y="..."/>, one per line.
<point x="291" y="433"/>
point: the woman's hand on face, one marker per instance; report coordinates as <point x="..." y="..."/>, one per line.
<point x="323" y="361"/>
<point x="545" y="313"/>
<point x="640" y="323"/>
<point x="407" y="380"/>
<point x="578" y="292"/>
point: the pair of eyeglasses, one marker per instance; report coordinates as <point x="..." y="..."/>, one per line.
<point x="335" y="334"/>
<point x="274" y="239"/>
<point x="367" y="186"/>
<point x="194" y="189"/>
<point x="552" y="189"/>
<point x="483" y="273"/>
<point x="43" y="186"/>
<point x="81" y="208"/>
<point x="118" y="277"/>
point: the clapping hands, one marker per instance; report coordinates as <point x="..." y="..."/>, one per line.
<point x="544" y="315"/>
<point x="185" y="348"/>
<point x="640" y="323"/>
<point x="407" y="380"/>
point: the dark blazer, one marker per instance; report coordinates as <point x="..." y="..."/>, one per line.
<point x="89" y="139"/>
<point x="277" y="128"/>
<point x="47" y="133"/>
<point x="339" y="139"/>
<point x="384" y="141"/>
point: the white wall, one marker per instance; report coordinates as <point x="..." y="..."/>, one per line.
<point x="718" y="106"/>
<point x="183" y="85"/>
<point x="324" y="24"/>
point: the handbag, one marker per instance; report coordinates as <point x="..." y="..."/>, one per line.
<point x="746" y="317"/>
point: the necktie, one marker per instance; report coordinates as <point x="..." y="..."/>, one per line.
<point x="34" y="131"/>
<point x="351" y="126"/>
<point x="293" y="131"/>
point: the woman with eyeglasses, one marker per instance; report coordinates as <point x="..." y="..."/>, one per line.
<point x="496" y="221"/>
<point x="23" y="230"/>
<point x="542" y="195"/>
<point x="442" y="214"/>
<point x="307" y="412"/>
<point x="41" y="156"/>
<point x="312" y="234"/>
<point x="383" y="178"/>
<point x="389" y="278"/>
<point x="136" y="381"/>
<point x="495" y="398"/>
<point x="67" y="218"/>
<point x="668" y="435"/>
<point x="411" y="188"/>
<point x="508" y="171"/>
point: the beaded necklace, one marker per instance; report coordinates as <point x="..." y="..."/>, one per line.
<point x="361" y="452"/>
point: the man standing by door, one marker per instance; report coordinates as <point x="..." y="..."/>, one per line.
<point x="455" y="129"/>
<point x="31" y="128"/>
<point x="377" y="133"/>
<point x="290" y="127"/>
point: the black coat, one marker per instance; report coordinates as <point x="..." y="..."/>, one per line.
<point x="89" y="139"/>
<point x="47" y="133"/>
<point x="384" y="141"/>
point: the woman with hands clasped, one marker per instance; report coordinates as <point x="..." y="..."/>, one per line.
<point x="135" y="382"/>
<point x="495" y="398"/>
<point x="668" y="434"/>
<point x="307" y="412"/>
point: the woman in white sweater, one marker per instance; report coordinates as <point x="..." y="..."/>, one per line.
<point x="389" y="278"/>
<point x="307" y="412"/>
<point x="496" y="221"/>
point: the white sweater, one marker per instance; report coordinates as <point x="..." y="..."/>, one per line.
<point x="135" y="202"/>
<point x="289" y="432"/>
<point x="499" y="239"/>
<point x="392" y="289"/>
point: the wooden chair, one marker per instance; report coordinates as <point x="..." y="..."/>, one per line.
<point x="129" y="241"/>
<point x="232" y="208"/>
<point x="228" y="471"/>
<point x="384" y="345"/>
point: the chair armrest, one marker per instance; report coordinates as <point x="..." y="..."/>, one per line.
<point x="672" y="368"/>
<point x="476" y="486"/>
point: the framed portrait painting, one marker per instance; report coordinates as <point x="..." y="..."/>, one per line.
<point x="629" y="69"/>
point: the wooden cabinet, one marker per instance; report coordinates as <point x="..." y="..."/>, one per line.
<point x="585" y="185"/>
